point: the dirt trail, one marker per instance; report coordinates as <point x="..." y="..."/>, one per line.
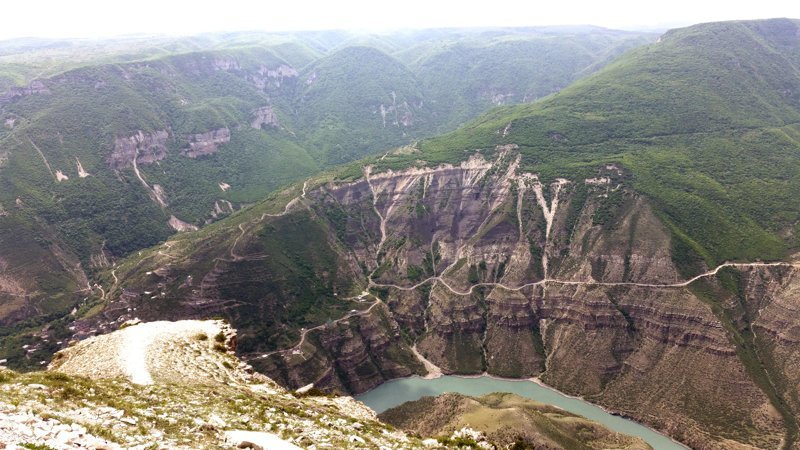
<point x="49" y="169"/>
<point x="582" y="283"/>
<point x="145" y="351"/>
<point x="104" y="294"/>
<point x="304" y="333"/>
<point x="133" y="356"/>
<point x="242" y="230"/>
<point x="154" y="194"/>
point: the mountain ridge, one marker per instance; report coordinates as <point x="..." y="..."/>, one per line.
<point x="621" y="239"/>
<point x="214" y="125"/>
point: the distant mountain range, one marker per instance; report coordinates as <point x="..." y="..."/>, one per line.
<point x="109" y="147"/>
<point x="630" y="238"/>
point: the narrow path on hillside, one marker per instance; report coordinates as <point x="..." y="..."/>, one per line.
<point x="286" y="209"/>
<point x="549" y="212"/>
<point x="133" y="354"/>
<point x="133" y="350"/>
<point x="49" y="169"/>
<point x="304" y="333"/>
<point x="235" y="257"/>
<point x="680" y="284"/>
<point x="105" y="293"/>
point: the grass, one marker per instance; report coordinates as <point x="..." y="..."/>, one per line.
<point x="35" y="446"/>
<point x="507" y="420"/>
<point x="175" y="409"/>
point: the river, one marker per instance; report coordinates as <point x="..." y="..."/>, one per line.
<point x="396" y="392"/>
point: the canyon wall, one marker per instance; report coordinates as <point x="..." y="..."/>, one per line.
<point x="486" y="267"/>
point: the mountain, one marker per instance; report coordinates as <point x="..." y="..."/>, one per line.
<point x="354" y="92"/>
<point x="503" y="69"/>
<point x="705" y="119"/>
<point x="507" y="420"/>
<point x="179" y="385"/>
<point x="109" y="147"/>
<point x="630" y="239"/>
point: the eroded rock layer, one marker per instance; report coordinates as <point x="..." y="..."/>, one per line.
<point x="142" y="148"/>
<point x="485" y="267"/>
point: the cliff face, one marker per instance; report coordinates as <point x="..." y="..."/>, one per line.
<point x="142" y="148"/>
<point x="206" y="143"/>
<point x="562" y="280"/>
<point x="35" y="87"/>
<point x="264" y="116"/>
<point x="489" y="268"/>
<point x="353" y="354"/>
<point x="268" y="79"/>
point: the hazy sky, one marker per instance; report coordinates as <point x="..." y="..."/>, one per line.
<point x="98" y="18"/>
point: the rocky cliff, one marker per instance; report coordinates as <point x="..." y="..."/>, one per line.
<point x="486" y="267"/>
<point x="267" y="78"/>
<point x="264" y="116"/>
<point x="206" y="143"/>
<point x="140" y="148"/>
<point x="35" y="87"/>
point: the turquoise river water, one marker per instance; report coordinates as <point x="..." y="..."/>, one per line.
<point x="396" y="392"/>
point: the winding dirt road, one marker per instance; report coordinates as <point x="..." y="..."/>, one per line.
<point x="680" y="284"/>
<point x="304" y="333"/>
<point x="549" y="212"/>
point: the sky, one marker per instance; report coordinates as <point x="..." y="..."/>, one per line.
<point x="104" y="18"/>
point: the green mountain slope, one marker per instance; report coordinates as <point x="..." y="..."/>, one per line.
<point x="706" y="120"/>
<point x="577" y="239"/>
<point x="213" y="123"/>
<point x="509" y="69"/>
<point x="358" y="100"/>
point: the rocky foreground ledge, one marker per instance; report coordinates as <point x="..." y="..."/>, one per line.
<point x="175" y="385"/>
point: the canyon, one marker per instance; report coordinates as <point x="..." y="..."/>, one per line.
<point x="106" y="150"/>
<point x="482" y="267"/>
<point x="631" y="239"/>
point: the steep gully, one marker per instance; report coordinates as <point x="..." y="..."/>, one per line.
<point x="154" y="194"/>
